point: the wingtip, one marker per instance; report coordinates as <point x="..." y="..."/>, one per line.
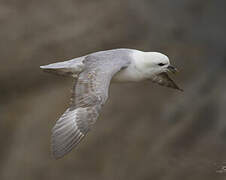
<point x="181" y="90"/>
<point x="55" y="152"/>
<point x="56" y="155"/>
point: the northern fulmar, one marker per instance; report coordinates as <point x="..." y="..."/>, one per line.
<point x="93" y="74"/>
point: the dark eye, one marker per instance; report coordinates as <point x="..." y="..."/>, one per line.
<point x="161" y="64"/>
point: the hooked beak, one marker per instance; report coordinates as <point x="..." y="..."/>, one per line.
<point x="172" y="69"/>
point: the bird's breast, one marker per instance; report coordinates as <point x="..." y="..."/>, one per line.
<point x="129" y="74"/>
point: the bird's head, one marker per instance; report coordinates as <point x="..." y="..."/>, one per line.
<point x="154" y="63"/>
<point x="153" y="66"/>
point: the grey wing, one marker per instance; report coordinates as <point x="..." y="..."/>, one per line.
<point x="91" y="92"/>
<point x="164" y="80"/>
<point x="66" y="133"/>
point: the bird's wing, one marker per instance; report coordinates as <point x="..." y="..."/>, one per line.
<point x="164" y="80"/>
<point x="91" y="93"/>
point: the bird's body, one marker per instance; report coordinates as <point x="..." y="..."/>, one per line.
<point x="93" y="74"/>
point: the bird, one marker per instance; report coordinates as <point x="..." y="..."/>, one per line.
<point x="93" y="74"/>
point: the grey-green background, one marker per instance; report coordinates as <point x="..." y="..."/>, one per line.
<point x="145" y="131"/>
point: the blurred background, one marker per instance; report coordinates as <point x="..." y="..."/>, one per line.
<point x="145" y="131"/>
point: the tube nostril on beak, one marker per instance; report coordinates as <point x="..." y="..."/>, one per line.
<point x="172" y="69"/>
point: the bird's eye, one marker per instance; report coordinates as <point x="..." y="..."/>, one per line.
<point x="161" y="64"/>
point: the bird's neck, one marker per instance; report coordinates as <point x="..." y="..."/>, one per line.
<point x="135" y="71"/>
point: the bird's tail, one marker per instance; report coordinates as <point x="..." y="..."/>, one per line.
<point x="67" y="68"/>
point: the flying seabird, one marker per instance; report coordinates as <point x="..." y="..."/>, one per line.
<point x="93" y="74"/>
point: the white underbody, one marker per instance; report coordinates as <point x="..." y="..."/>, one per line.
<point x="129" y="74"/>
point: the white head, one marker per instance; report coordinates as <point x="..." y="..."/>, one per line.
<point x="152" y="63"/>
